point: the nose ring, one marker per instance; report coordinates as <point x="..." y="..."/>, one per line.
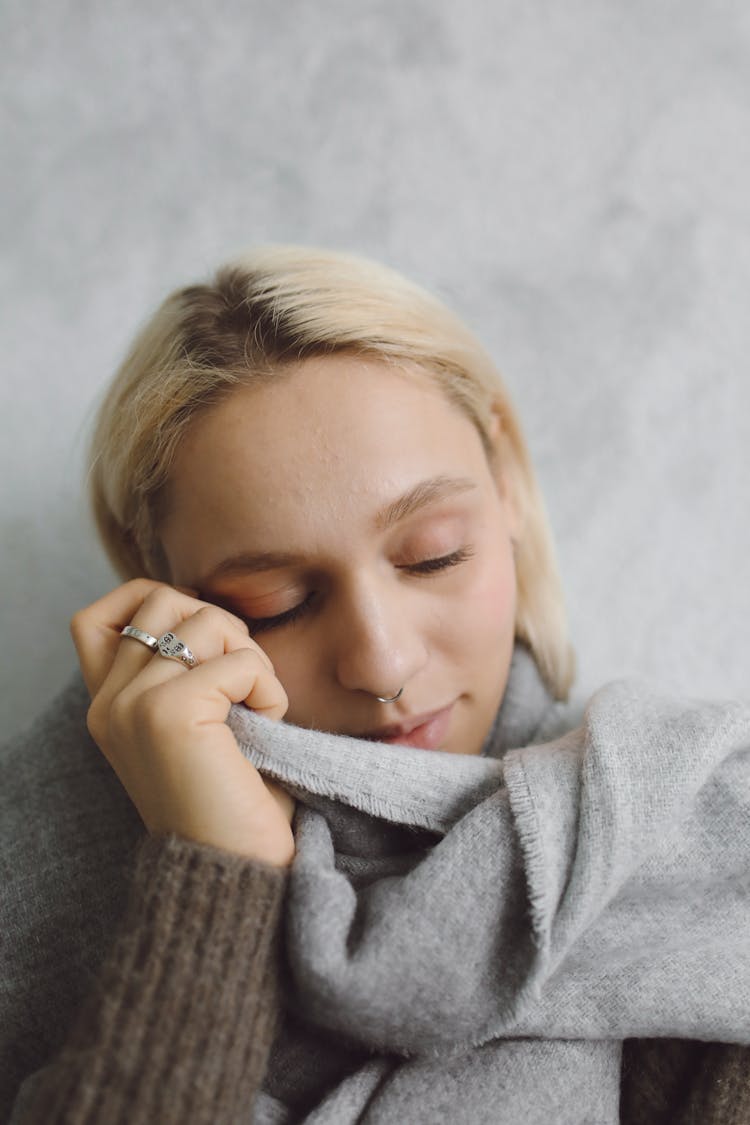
<point x="390" y="698"/>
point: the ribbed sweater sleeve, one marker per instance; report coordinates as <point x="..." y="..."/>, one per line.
<point x="684" y="1082"/>
<point x="179" y="1026"/>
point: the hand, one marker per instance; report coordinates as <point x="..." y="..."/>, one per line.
<point x="162" y="726"/>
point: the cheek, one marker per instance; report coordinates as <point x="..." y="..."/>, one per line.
<point x="492" y="600"/>
<point x="477" y="629"/>
<point x="298" y="669"/>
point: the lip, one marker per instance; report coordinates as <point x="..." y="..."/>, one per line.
<point x="425" y="731"/>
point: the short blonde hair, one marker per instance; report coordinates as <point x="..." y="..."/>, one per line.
<point x="279" y="305"/>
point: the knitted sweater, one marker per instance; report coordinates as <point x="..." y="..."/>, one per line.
<point x="180" y="1015"/>
<point x="179" y="1024"/>
<point x="175" y="1028"/>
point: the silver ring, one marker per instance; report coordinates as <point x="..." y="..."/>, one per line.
<point x="390" y="698"/>
<point x="139" y="635"/>
<point x="174" y="649"/>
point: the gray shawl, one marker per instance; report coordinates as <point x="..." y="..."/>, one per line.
<point x="470" y="938"/>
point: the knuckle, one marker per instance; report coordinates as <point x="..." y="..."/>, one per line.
<point x="260" y="665"/>
<point x="158" y="597"/>
<point x="82" y="622"/>
<point x="221" y="617"/>
<point x="142" y="586"/>
<point x="77" y="624"/>
<point x="238" y="623"/>
<point x="253" y="657"/>
<point x="208" y="612"/>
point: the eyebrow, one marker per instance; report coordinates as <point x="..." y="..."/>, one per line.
<point x="420" y="496"/>
<point x="424" y="493"/>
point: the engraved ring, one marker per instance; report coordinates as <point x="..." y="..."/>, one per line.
<point x="174" y="649"/>
<point x="139" y="635"/>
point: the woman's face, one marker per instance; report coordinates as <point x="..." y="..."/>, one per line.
<point x="347" y="511"/>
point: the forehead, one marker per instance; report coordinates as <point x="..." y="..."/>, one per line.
<point x="318" y="448"/>
<point x="323" y="402"/>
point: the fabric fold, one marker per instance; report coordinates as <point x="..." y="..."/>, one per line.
<point x="570" y="889"/>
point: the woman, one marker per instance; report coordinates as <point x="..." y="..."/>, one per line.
<point x="322" y="478"/>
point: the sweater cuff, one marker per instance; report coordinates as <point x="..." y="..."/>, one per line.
<point x="186" y="1005"/>
<point x="171" y="874"/>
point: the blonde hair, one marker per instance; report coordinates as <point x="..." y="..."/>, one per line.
<point x="276" y="306"/>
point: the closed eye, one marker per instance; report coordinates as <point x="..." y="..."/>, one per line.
<point x="262" y="624"/>
<point x="258" y="625"/>
<point x="443" y="562"/>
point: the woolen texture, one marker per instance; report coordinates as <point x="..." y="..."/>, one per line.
<point x="672" y="1082"/>
<point x="579" y="892"/>
<point x="180" y="1023"/>
<point x="68" y="832"/>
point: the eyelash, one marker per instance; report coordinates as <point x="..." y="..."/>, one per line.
<point x="424" y="568"/>
<point x="263" y="624"/>
<point x="442" y="562"/>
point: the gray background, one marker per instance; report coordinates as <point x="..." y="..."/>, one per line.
<point x="573" y="177"/>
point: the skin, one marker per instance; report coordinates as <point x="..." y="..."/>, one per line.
<point x="313" y="510"/>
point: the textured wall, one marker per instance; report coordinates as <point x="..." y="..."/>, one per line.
<point x="574" y="178"/>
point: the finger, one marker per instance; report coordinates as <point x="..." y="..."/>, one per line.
<point x="96" y="629"/>
<point x="209" y="632"/>
<point x="167" y="610"/>
<point x="207" y="692"/>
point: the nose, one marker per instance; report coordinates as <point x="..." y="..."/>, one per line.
<point x="379" y="644"/>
